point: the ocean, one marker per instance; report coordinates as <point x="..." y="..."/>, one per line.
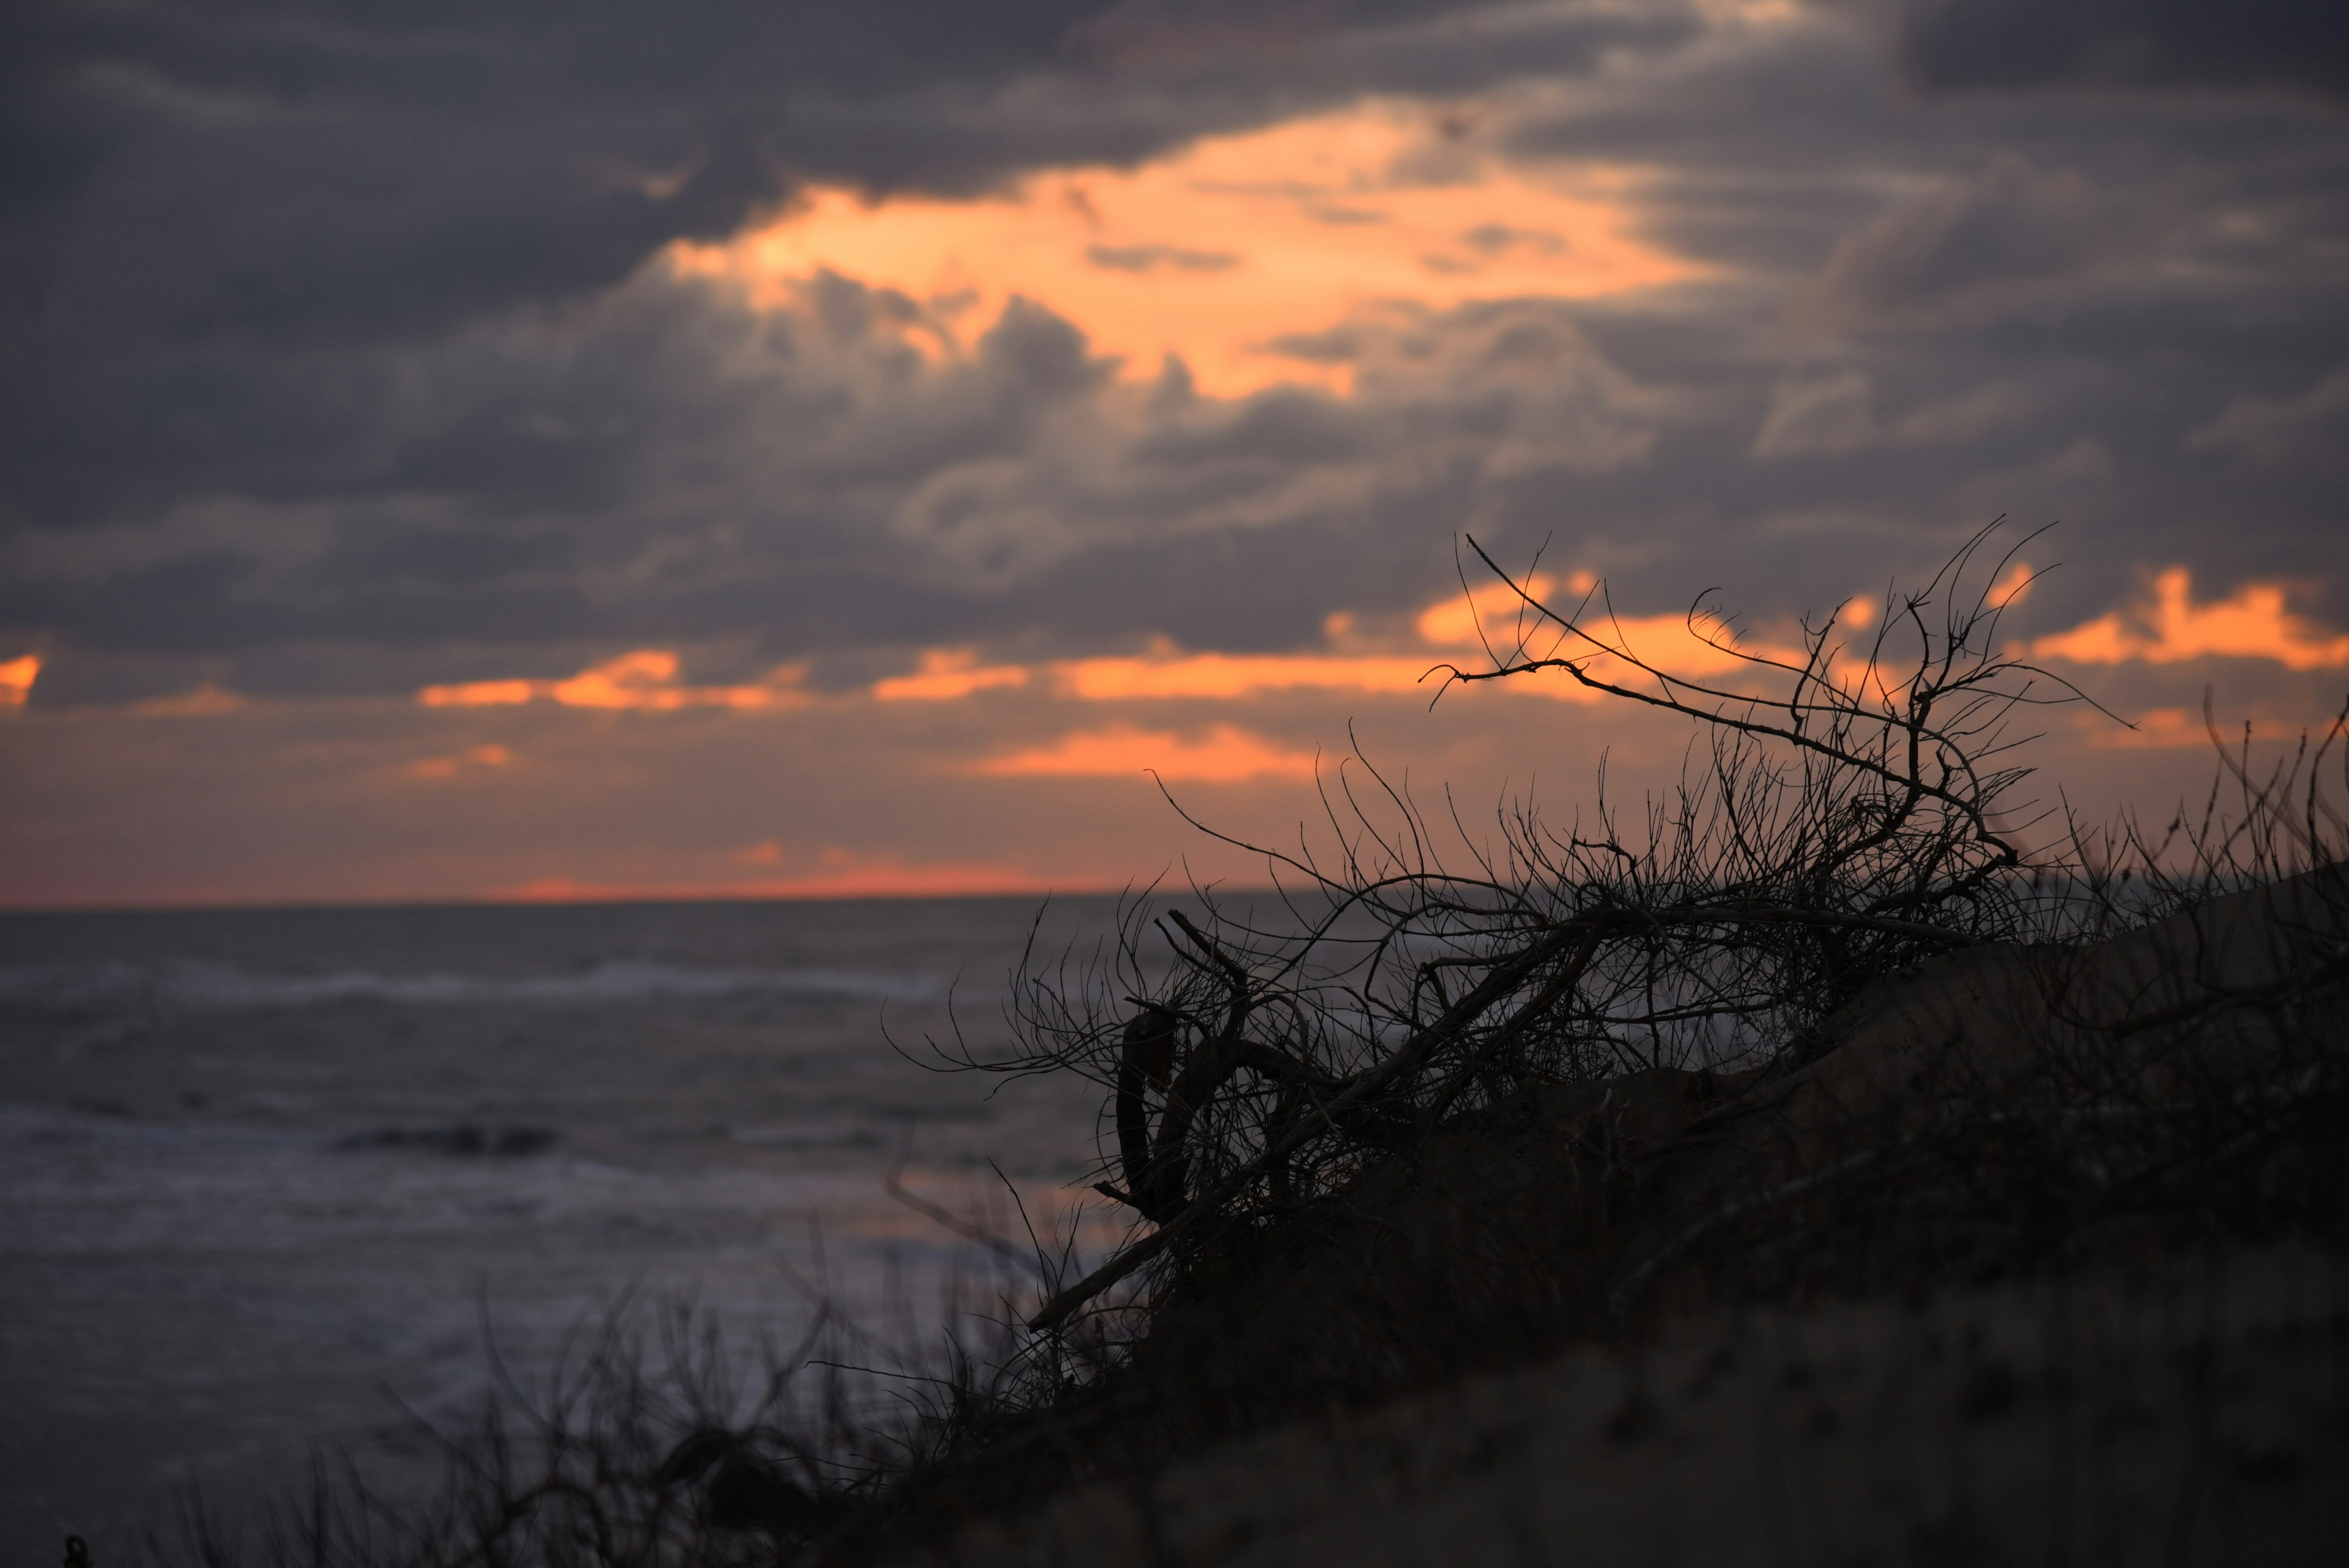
<point x="272" y="1176"/>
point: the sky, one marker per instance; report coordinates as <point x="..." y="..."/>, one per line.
<point x="508" y="450"/>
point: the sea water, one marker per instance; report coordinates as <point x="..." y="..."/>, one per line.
<point x="279" y="1179"/>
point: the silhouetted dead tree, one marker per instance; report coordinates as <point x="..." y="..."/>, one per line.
<point x="1851" y="809"/>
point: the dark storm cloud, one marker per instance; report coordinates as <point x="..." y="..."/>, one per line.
<point x="326" y="172"/>
<point x="212" y="216"/>
<point x="321" y="174"/>
<point x="226" y="233"/>
<point x="1961" y="43"/>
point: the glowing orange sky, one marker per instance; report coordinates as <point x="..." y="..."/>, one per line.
<point x="1388" y="655"/>
<point x="1217" y="249"/>
<point x="1200" y="717"/>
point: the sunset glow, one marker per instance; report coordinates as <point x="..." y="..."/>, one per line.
<point x="2254" y="623"/>
<point x="1219" y="250"/>
<point x="645" y="680"/>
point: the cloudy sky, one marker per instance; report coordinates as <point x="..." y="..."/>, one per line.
<point x="509" y="448"/>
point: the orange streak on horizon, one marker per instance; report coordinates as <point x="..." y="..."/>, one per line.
<point x="1225" y="755"/>
<point x="1214" y="251"/>
<point x="644" y="680"/>
<point x="838" y="874"/>
<point x="2254" y="623"/>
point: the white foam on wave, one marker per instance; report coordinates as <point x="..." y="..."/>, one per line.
<point x="196" y="984"/>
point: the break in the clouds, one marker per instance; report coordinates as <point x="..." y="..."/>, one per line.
<point x="934" y="412"/>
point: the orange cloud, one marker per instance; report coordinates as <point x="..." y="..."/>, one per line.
<point x="2170" y="729"/>
<point x="1494" y="614"/>
<point x="645" y="680"/>
<point x="2013" y="588"/>
<point x="2252" y="624"/>
<point x="205" y="701"/>
<point x="448" y="767"/>
<point x="1225" y="755"/>
<point x="1215" y="251"/>
<point x="947" y="673"/>
<point x="17" y="677"/>
<point x="1672" y="643"/>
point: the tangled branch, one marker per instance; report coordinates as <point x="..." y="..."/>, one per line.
<point x="1848" y="810"/>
